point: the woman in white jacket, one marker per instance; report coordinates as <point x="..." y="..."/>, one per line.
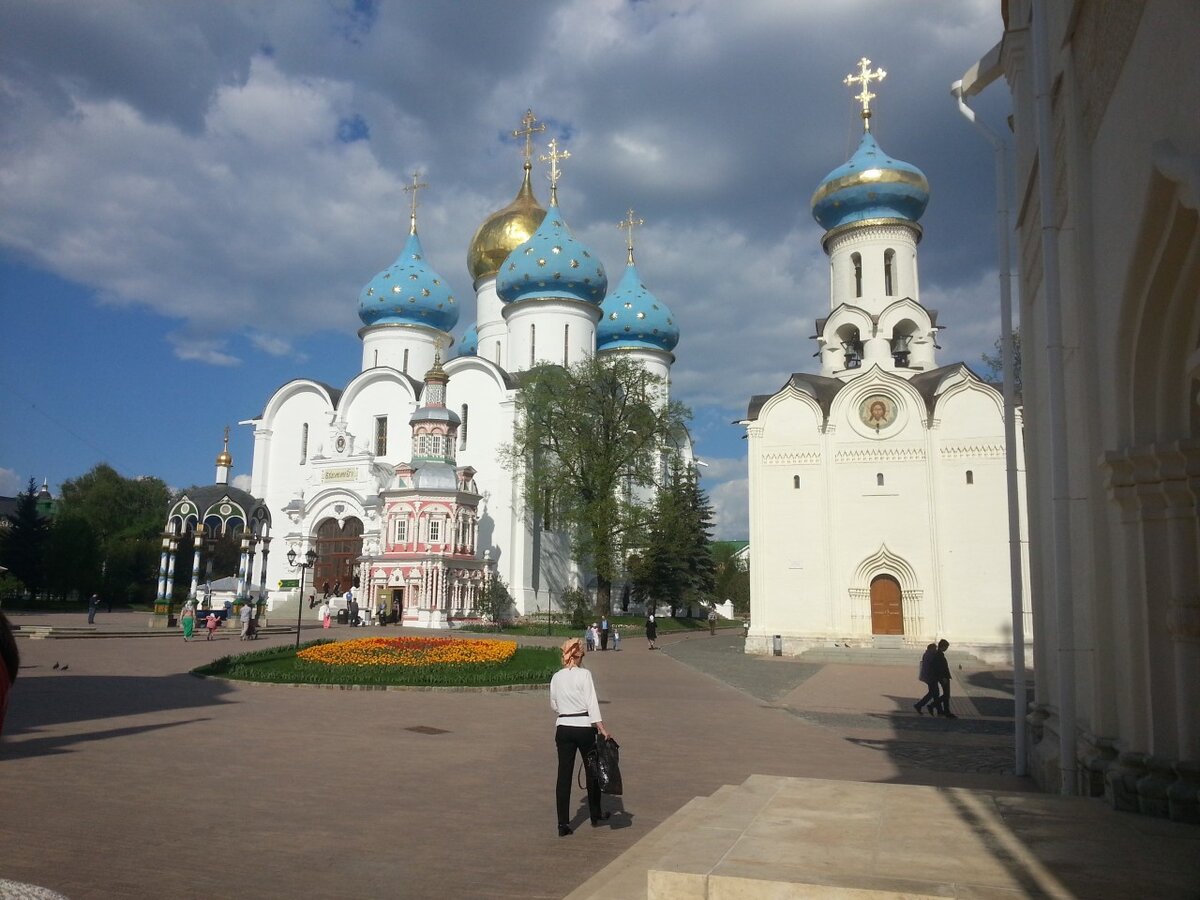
<point x="573" y="697"/>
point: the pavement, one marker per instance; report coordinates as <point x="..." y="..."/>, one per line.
<point x="121" y="775"/>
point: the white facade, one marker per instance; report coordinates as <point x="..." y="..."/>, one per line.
<point x="1106" y="126"/>
<point x="326" y="460"/>
<point x="878" y="495"/>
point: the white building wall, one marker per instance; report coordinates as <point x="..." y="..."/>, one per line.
<point x="562" y="332"/>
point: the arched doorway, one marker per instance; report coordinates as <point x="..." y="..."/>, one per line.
<point x="338" y="550"/>
<point x="887" y="615"/>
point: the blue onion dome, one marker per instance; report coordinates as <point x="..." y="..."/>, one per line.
<point x="408" y="292"/>
<point x="631" y="316"/>
<point x="468" y="344"/>
<point x="552" y="263"/>
<point x="870" y="185"/>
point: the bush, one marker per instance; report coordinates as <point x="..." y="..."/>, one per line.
<point x="575" y="604"/>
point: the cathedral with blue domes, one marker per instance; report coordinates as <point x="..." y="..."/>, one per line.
<point x="877" y="488"/>
<point x="394" y="479"/>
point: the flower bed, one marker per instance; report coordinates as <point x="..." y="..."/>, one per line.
<point x="409" y="651"/>
<point x="414" y="662"/>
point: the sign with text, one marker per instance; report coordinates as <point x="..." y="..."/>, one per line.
<point x="348" y="474"/>
<point x="285" y="583"/>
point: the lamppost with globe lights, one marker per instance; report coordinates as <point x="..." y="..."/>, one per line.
<point x="310" y="560"/>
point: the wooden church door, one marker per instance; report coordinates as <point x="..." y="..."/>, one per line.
<point x="887" y="616"/>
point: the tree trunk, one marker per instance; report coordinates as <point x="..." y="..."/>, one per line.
<point x="603" y="595"/>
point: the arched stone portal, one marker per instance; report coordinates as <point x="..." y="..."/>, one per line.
<point x="338" y="549"/>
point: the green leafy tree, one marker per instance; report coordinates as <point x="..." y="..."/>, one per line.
<point x="994" y="363"/>
<point x="496" y="601"/>
<point x="23" y="543"/>
<point x="73" y="558"/>
<point x="127" y="516"/>
<point x="588" y="447"/>
<point x="574" y="603"/>
<point x="732" y="576"/>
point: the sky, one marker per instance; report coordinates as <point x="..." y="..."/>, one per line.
<point x="193" y="193"/>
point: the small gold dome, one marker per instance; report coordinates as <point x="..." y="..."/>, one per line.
<point x="224" y="459"/>
<point x="504" y="230"/>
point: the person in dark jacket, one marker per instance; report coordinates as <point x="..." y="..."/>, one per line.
<point x="925" y="675"/>
<point x="941" y="672"/>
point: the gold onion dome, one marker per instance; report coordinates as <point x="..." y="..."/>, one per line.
<point x="505" y="230"/>
<point x="224" y="458"/>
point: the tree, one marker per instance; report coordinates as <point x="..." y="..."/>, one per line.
<point x="675" y="565"/>
<point x="496" y="602"/>
<point x="733" y="578"/>
<point x="995" y="363"/>
<point x="588" y="446"/>
<point x="23" y="543"/>
<point x="126" y="515"/>
<point x="73" y="558"/>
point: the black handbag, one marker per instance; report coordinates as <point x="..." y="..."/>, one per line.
<point x="603" y="764"/>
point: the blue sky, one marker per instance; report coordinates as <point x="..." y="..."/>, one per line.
<point x="194" y="193"/>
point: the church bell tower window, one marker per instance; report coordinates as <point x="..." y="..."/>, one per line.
<point x="856" y="259"/>
<point x="889" y="271"/>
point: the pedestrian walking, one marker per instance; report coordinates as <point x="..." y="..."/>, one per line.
<point x="925" y="675"/>
<point x="712" y="621"/>
<point x="651" y="632"/>
<point x="604" y="632"/>
<point x="247" y="616"/>
<point x="941" y="671"/>
<point x="616" y="636"/>
<point x="573" y="698"/>
<point x="211" y="622"/>
<point x="187" y="620"/>
<point x="93" y="605"/>
<point x="323" y="613"/>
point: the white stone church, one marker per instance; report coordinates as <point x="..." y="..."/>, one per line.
<point x="395" y="479"/>
<point x="878" y="504"/>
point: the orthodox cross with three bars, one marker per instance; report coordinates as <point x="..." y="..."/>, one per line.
<point x="417" y="184"/>
<point x="527" y="132"/>
<point x="553" y="157"/>
<point x="629" y="223"/>
<point x="864" y="77"/>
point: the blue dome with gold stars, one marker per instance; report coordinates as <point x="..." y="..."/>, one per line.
<point x="631" y="316"/>
<point x="408" y="292"/>
<point x="552" y="263"/>
<point x="870" y="185"/>
<point x="468" y="344"/>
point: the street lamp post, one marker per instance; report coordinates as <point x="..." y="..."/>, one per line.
<point x="310" y="560"/>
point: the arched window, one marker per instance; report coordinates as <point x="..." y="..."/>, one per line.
<point x="405" y="368"/>
<point x="497" y="360"/>
<point x="879" y="479"/>
<point x="857" y="260"/>
<point x="422" y="445"/>
<point x="970" y="477"/>
<point x="566" y="344"/>
<point x="889" y="271"/>
<point x="532" y="345"/>
<point x="462" y="429"/>
<point x="304" y="443"/>
<point x="796" y="482"/>
<point x="381" y="435"/>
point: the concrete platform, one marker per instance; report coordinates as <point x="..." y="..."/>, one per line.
<point x="793" y="838"/>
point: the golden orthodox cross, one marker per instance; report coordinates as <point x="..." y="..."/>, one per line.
<point x="226" y="438"/>
<point x="416" y="185"/>
<point x="864" y="77"/>
<point x="629" y="223"/>
<point x="553" y="157"/>
<point x="527" y="132"/>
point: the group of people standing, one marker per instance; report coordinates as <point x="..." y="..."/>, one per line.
<point x="935" y="673"/>
<point x="597" y="635"/>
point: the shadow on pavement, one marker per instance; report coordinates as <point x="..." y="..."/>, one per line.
<point x="59" y="743"/>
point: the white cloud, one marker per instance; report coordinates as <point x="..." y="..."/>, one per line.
<point x="11" y="483"/>
<point x="241" y="482"/>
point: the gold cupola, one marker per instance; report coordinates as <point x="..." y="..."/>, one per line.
<point x="506" y="229"/>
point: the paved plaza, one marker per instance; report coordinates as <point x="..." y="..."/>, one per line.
<point x="121" y="775"/>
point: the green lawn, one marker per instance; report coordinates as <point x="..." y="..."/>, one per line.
<point x="530" y="665"/>
<point x="629" y="626"/>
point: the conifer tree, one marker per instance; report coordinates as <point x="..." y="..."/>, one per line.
<point x="23" y="543"/>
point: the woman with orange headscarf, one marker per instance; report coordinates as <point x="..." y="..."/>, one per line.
<point x="573" y="697"/>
